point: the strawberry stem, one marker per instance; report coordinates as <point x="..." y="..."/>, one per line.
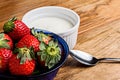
<point x="50" y="53"/>
<point x="13" y="19"/>
<point x="24" y="54"/>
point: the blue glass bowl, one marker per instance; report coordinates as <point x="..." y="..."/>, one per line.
<point x="45" y="75"/>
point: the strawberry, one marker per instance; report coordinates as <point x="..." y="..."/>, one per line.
<point x="22" y="63"/>
<point x="16" y="29"/>
<point x="5" y="55"/>
<point x="49" y="54"/>
<point x="5" y="41"/>
<point x="29" y="41"/>
<point x="5" y="52"/>
<point x="41" y="36"/>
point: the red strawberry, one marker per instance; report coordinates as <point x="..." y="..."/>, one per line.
<point x="5" y="55"/>
<point x="5" y="41"/>
<point x="22" y="63"/>
<point x="29" y="41"/>
<point x="16" y="29"/>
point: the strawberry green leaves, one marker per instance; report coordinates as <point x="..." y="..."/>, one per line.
<point x="41" y="36"/>
<point x="53" y="48"/>
<point x="9" y="26"/>
<point x="50" y="53"/>
<point x="4" y="42"/>
<point x="25" y="54"/>
<point x="42" y="46"/>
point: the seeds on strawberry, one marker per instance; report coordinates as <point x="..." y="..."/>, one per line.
<point x="16" y="29"/>
<point x="5" y="55"/>
<point x="29" y="41"/>
<point x="22" y="63"/>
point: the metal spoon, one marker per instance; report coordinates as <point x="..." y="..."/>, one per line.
<point x="88" y="59"/>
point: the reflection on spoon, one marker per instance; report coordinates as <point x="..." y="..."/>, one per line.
<point x="88" y="59"/>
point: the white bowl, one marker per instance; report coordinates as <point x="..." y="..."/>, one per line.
<point x="70" y="35"/>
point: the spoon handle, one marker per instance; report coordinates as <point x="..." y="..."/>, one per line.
<point x="109" y="59"/>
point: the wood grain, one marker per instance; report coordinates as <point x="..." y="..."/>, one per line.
<point x="99" y="34"/>
<point x="101" y="41"/>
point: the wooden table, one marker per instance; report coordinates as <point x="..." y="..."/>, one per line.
<point x="99" y="34"/>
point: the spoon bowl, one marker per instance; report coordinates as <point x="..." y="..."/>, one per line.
<point x="88" y="59"/>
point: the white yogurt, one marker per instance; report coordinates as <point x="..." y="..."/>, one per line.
<point x="53" y="24"/>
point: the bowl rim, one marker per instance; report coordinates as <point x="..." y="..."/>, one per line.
<point x="62" y="41"/>
<point x="62" y="8"/>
